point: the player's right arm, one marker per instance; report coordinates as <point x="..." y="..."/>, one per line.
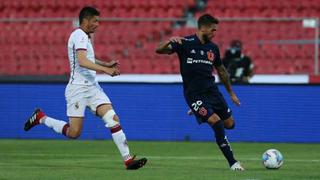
<point x="86" y="63"/>
<point x="165" y="47"/>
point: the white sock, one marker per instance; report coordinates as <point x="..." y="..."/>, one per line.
<point x="56" y="125"/>
<point x="120" y="140"/>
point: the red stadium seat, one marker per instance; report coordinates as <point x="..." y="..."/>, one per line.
<point x="273" y="46"/>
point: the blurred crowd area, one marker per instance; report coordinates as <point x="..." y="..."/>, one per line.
<point x="275" y="34"/>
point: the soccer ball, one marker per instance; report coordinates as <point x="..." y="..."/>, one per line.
<point x="272" y="159"/>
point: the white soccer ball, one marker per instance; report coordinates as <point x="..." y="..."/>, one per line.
<point x="272" y="159"/>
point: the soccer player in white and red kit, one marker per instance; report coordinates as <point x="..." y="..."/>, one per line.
<point x="84" y="91"/>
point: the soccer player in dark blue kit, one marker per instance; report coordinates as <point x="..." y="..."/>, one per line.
<point x="197" y="56"/>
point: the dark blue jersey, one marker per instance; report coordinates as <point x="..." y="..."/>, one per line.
<point x="196" y="63"/>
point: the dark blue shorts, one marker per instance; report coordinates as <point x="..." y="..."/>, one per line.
<point x="206" y="103"/>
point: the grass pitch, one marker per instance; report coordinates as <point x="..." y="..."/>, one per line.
<point x="67" y="159"/>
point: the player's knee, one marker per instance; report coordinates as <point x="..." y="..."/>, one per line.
<point x="74" y="134"/>
<point x="111" y="119"/>
<point x="213" y="119"/>
<point x="229" y="125"/>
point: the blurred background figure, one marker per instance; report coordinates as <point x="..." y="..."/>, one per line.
<point x="239" y="66"/>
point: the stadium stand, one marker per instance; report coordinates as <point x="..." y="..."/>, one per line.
<point x="39" y="48"/>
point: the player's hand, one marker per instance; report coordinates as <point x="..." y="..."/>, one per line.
<point x="177" y="39"/>
<point x="116" y="71"/>
<point x="113" y="63"/>
<point x="190" y="112"/>
<point x="112" y="71"/>
<point x="235" y="99"/>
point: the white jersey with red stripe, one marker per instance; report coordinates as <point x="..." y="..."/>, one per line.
<point x="79" y="40"/>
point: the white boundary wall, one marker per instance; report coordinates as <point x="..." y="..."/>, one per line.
<point x="176" y="78"/>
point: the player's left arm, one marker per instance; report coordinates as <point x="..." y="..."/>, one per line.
<point x="109" y="64"/>
<point x="224" y="78"/>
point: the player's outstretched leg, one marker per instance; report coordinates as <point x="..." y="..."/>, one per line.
<point x="34" y="119"/>
<point x="133" y="163"/>
<point x="39" y="117"/>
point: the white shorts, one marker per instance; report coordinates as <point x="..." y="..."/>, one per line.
<point x="79" y="97"/>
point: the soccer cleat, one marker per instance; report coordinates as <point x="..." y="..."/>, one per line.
<point x="133" y="164"/>
<point x="34" y="119"/>
<point x="237" y="167"/>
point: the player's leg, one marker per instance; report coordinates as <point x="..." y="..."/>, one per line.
<point x="221" y="139"/>
<point x="101" y="105"/>
<point x="75" y="127"/>
<point x="71" y="129"/>
<point x="204" y="108"/>
<point x="223" y="111"/>
<point x="229" y="123"/>
<point x="111" y="120"/>
<point x="217" y="125"/>
<point x="76" y="104"/>
<point x="76" y="97"/>
<point x="221" y="119"/>
<point x="108" y="115"/>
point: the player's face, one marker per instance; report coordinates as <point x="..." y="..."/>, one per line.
<point x="93" y="24"/>
<point x="208" y="32"/>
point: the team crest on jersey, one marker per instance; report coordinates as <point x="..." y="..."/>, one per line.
<point x="210" y="55"/>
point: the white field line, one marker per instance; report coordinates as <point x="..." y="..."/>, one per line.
<point x="111" y="156"/>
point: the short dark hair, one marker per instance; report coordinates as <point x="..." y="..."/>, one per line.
<point x="206" y="20"/>
<point x="88" y="12"/>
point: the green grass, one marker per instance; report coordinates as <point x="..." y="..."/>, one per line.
<point x="51" y="159"/>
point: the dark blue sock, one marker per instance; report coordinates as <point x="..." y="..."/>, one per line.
<point x="223" y="142"/>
